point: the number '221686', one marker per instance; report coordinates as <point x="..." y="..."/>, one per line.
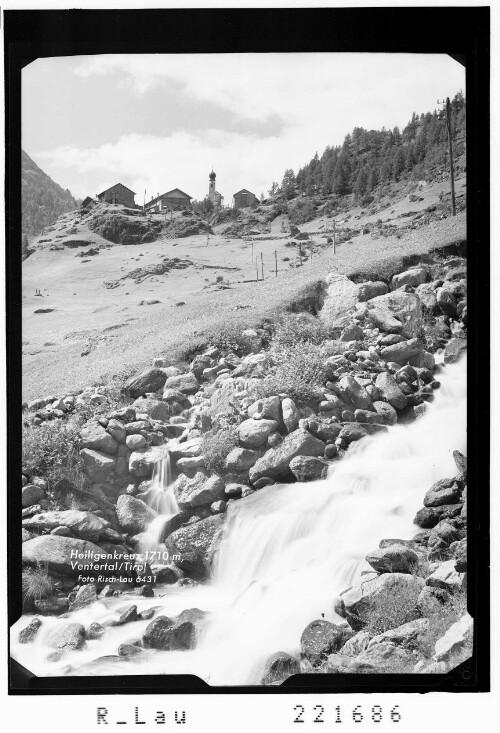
<point x="375" y="714"/>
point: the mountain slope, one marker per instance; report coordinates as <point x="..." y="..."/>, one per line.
<point x="43" y="200"/>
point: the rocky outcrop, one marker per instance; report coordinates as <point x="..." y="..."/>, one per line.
<point x="55" y="553"/>
<point x="133" y="514"/>
<point x="196" y="544"/>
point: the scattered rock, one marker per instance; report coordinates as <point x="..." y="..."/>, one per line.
<point x="185" y="383"/>
<point x="445" y="576"/>
<point x="133" y="514"/>
<point x="390" y="391"/>
<point x="290" y="414"/>
<point x="31" y="495"/>
<point x="275" y="463"/>
<point x="85" y="595"/>
<point x="96" y="438"/>
<point x="67" y="636"/>
<point x="197" y="491"/>
<point x="308" y="468"/>
<point x="412" y="277"/>
<point x="254" y="433"/>
<point x="151" y="380"/>
<point x="196" y="544"/>
<point x="445" y="491"/>
<point x="370" y="289"/>
<point x="321" y="638"/>
<point x="454" y="350"/>
<point x="279" y="667"/>
<point x="393" y="559"/>
<point x="29" y="632"/>
<point x="99" y="466"/>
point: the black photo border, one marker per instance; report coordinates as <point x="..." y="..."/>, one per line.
<point x="461" y="32"/>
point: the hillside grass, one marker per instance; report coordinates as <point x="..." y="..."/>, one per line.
<point x="177" y="332"/>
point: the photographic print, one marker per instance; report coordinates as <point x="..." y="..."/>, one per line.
<point x="244" y="366"/>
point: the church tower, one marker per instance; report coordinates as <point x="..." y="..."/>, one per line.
<point x="211" y="187"/>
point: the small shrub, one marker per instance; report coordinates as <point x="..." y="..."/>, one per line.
<point x="392" y="609"/>
<point x="36" y="583"/>
<point x="216" y="445"/>
<point x="51" y="450"/>
<point x="302" y="211"/>
<point x="440" y="621"/>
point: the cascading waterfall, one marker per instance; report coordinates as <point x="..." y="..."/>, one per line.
<point x="288" y="551"/>
<point x="162" y="500"/>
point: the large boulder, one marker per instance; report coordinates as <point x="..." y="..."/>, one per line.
<point x="254" y="433"/>
<point x="413" y="278"/>
<point x="31" y="495"/>
<point x="133" y="514"/>
<point x="429" y="516"/>
<point x="308" y="468"/>
<point x="390" y="391"/>
<point x="445" y="491"/>
<point x="60" y="555"/>
<point x="85" y="525"/>
<point x="185" y="383"/>
<point x="142" y="462"/>
<point x="454" y="350"/>
<point x="371" y="289"/>
<point x="402" y="352"/>
<point x="151" y="380"/>
<point x="393" y="559"/>
<point x="199" y="490"/>
<point x="404" y="307"/>
<point x="339" y="300"/>
<point x="241" y="459"/>
<point x="275" y="463"/>
<point x="377" y="594"/>
<point x="99" y="466"/>
<point x="321" y="638"/>
<point x="196" y="544"/>
<point x="95" y="437"/>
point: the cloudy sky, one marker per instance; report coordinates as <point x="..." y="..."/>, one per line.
<point x="156" y="122"/>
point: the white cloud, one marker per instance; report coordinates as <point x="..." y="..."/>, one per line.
<point x="318" y="97"/>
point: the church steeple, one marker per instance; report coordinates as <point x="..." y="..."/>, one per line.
<point x="211" y="187"/>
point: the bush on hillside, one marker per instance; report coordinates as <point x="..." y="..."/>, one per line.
<point x="301" y="211"/>
<point x="216" y="445"/>
<point x="35" y="584"/>
<point x="51" y="450"/>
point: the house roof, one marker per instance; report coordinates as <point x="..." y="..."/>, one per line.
<point x="114" y="186"/>
<point x="177" y="191"/>
<point x="174" y="193"/>
<point x="243" y="190"/>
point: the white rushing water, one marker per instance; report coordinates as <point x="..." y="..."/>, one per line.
<point x="160" y="497"/>
<point x="288" y="552"/>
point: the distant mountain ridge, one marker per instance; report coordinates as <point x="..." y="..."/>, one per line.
<point x="43" y="200"/>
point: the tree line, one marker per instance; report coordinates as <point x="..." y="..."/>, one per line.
<point x="368" y="158"/>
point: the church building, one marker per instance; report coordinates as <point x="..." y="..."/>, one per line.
<point x="214" y="196"/>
